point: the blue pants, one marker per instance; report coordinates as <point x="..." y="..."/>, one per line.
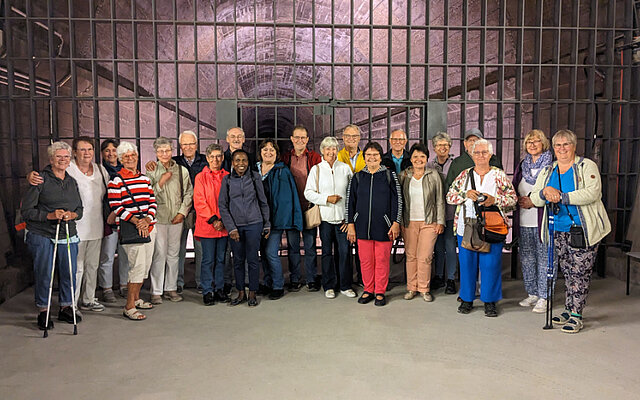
<point x="310" y="264"/>
<point x="534" y="258"/>
<point x="213" y="251"/>
<point x="445" y="253"/>
<point x="334" y="240"/>
<point x="490" y="266"/>
<point x="41" y="249"/>
<point x="247" y="249"/>
<point x="271" y="264"/>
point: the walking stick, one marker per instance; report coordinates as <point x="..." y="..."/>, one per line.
<point x="53" y="268"/>
<point x="73" y="293"/>
<point x="551" y="212"/>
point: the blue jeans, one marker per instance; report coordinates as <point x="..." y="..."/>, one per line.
<point x="41" y="249"/>
<point x="490" y="266"/>
<point x="247" y="248"/>
<point x="271" y="264"/>
<point x="534" y="257"/>
<point x="445" y="253"/>
<point x="334" y="240"/>
<point x="310" y="265"/>
<point x="213" y="251"/>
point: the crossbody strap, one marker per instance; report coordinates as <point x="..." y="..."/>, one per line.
<point x="181" y="184"/>
<point x="560" y="188"/>
<point x="130" y="194"/>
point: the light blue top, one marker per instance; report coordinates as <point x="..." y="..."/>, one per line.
<point x="562" y="221"/>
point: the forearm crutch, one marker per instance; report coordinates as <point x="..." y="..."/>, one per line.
<point x="73" y="293"/>
<point x="551" y="212"/>
<point x="53" y="268"/>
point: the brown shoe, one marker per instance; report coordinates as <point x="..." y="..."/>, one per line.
<point x="173" y="296"/>
<point x="409" y="295"/>
<point x="156" y="299"/>
<point x="427" y="297"/>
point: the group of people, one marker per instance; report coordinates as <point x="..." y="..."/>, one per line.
<point x="239" y="205"/>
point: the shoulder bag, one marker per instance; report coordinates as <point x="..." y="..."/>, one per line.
<point x="312" y="216"/>
<point x="128" y="230"/>
<point x="577" y="239"/>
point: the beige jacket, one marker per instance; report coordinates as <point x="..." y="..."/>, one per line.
<point x="170" y="200"/>
<point x="587" y="197"/>
<point x="432" y="187"/>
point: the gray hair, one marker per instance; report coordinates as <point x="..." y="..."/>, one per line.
<point x="192" y="133"/>
<point x="161" y="142"/>
<point x="213" y="147"/>
<point x="482" y="141"/>
<point x="329" y="141"/>
<point x="398" y="130"/>
<point x="566" y="134"/>
<point x="352" y="126"/>
<point x="55" y="146"/>
<point x="441" y="136"/>
<point x="124" y="148"/>
<point x="235" y="127"/>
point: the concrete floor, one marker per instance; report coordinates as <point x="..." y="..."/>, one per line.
<point x="307" y="347"/>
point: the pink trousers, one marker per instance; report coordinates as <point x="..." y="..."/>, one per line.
<point x="419" y="242"/>
<point x="374" y="263"/>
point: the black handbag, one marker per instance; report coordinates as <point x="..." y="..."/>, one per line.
<point x="577" y="239"/>
<point x="128" y="231"/>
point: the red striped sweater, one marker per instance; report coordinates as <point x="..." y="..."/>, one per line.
<point x="141" y="189"/>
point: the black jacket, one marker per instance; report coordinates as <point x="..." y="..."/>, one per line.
<point x="226" y="164"/>
<point x="198" y="164"/>
<point x="52" y="194"/>
<point x="387" y="161"/>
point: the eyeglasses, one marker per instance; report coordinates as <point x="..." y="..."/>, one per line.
<point x="565" y="145"/>
<point x="235" y="137"/>
<point x="533" y="142"/>
<point x="351" y="136"/>
<point x="164" y="151"/>
<point x="397" y="140"/>
<point x="215" y="156"/>
<point x="189" y="144"/>
<point x="63" y="157"/>
<point x="482" y="153"/>
<point x="299" y="138"/>
<point x="443" y="145"/>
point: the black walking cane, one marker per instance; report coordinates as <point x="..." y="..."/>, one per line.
<point x="552" y="211"/>
<point x="53" y="268"/>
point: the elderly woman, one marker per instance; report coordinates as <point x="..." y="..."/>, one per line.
<point x="423" y="219"/>
<point x="139" y="210"/>
<point x="573" y="184"/>
<point x="209" y="229"/>
<point x="174" y="195"/>
<point x="446" y="256"/>
<point x="284" y="209"/>
<point x="533" y="253"/>
<point x="53" y="202"/>
<point x="374" y="210"/>
<point x="245" y="213"/>
<point x="327" y="188"/>
<point x="490" y="187"/>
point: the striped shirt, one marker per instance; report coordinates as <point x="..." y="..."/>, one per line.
<point x="140" y="187"/>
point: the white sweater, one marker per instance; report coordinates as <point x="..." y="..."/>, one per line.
<point x="332" y="181"/>
<point x="92" y="189"/>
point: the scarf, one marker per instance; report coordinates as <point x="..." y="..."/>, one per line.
<point x="528" y="164"/>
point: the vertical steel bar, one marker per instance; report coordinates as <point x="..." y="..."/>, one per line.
<point x="114" y="72"/>
<point x="53" y="104"/>
<point x="94" y="69"/>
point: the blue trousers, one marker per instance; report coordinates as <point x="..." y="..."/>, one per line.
<point x="41" y="249"/>
<point x="490" y="267"/>
<point x="534" y="258"/>
<point x="213" y="252"/>
<point x="271" y="264"/>
<point x="247" y="249"/>
<point x="310" y="263"/>
<point x="445" y="253"/>
<point x="335" y="241"/>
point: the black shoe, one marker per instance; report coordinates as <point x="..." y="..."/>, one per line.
<point x="253" y="301"/>
<point x="465" y="307"/>
<point x="380" y="302"/>
<point x="451" y="287"/>
<point x="221" y="297"/>
<point x="295" y="286"/>
<point x="490" y="310"/>
<point x="227" y="289"/>
<point x="41" y="321"/>
<point x="199" y="289"/>
<point x="436" y="283"/>
<point x="209" y="299"/>
<point x="66" y="315"/>
<point x="238" y="300"/>
<point x="366" y="298"/>
<point x="276" y="294"/>
<point x="312" y="287"/>
<point x="180" y="289"/>
<point x="264" y="290"/>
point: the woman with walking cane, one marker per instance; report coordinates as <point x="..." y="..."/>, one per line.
<point x="573" y="183"/>
<point x="50" y="210"/>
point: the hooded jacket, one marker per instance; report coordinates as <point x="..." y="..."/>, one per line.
<point x="205" y="202"/>
<point x="282" y="196"/>
<point x="242" y="201"/>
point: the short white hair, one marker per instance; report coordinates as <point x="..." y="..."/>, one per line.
<point x="482" y="141"/>
<point x="440" y="136"/>
<point x="55" y="146"/>
<point x="329" y="141"/>
<point x="192" y="133"/>
<point x="235" y="127"/>
<point x="124" y="148"/>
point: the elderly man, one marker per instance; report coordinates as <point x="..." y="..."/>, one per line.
<point x="235" y="139"/>
<point x="194" y="162"/>
<point x="300" y="160"/>
<point x="351" y="153"/>
<point x="397" y="158"/>
<point x="464" y="161"/>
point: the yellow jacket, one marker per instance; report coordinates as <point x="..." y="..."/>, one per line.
<point x="343" y="156"/>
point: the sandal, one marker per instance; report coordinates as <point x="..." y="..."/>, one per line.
<point x="143" y="305"/>
<point x="133" y="314"/>
<point x="365" y="298"/>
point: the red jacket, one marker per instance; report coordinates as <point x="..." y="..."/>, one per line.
<point x="313" y="158"/>
<point x="205" y="201"/>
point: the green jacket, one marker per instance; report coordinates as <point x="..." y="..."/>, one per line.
<point x="587" y="197"/>
<point x="464" y="161"/>
<point x="170" y="200"/>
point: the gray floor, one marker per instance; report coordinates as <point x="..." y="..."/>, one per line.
<point x="307" y="347"/>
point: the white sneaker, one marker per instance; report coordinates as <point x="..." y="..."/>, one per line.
<point x="349" y="293"/>
<point x="529" y="301"/>
<point x="330" y="294"/>
<point x="540" y="307"/>
<point x="93" y="306"/>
